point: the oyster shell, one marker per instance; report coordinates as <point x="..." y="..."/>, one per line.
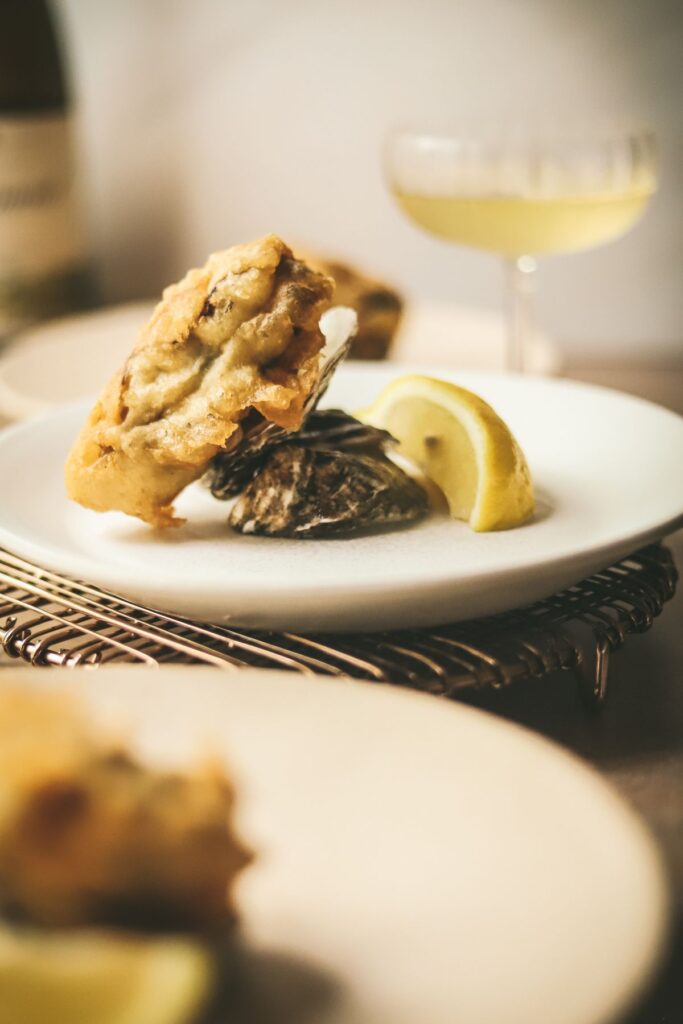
<point x="307" y="492"/>
<point x="331" y="429"/>
<point x="338" y="431"/>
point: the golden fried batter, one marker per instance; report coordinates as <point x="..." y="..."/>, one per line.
<point x="378" y="306"/>
<point x="240" y="333"/>
<point x="90" y="836"/>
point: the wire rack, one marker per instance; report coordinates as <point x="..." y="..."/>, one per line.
<point x="49" y="619"/>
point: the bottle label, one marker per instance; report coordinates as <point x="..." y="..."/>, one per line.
<point x="39" y="229"/>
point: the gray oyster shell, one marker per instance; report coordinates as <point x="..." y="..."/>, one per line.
<point x="307" y="492"/>
<point x="331" y="429"/>
<point x="338" y="431"/>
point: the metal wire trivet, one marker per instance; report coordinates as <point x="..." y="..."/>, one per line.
<point x="49" y="619"/>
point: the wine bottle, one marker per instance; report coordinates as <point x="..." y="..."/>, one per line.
<point x="43" y="269"/>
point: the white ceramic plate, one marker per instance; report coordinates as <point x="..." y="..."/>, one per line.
<point x="608" y="476"/>
<point x="418" y="861"/>
<point x="67" y="358"/>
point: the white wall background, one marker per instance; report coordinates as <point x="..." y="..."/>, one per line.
<point x="205" y="122"/>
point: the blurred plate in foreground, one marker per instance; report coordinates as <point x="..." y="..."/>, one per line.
<point x="416" y="861"/>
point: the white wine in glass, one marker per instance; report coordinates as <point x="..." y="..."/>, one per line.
<point x="522" y="197"/>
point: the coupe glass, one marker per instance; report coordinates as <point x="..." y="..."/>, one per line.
<point x="522" y="195"/>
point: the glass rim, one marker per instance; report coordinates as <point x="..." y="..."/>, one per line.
<point x="511" y="131"/>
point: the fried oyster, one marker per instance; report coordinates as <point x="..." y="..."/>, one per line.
<point x="239" y="336"/>
<point x="231" y="469"/>
<point x="379" y="307"/>
<point x="90" y="836"/>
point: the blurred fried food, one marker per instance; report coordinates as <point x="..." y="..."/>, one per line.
<point x="90" y="836"/>
<point x="379" y="307"/>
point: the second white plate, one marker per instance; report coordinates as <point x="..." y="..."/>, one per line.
<point x="607" y="474"/>
<point x="418" y="862"/>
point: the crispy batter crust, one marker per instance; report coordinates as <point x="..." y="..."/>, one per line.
<point x="240" y="333"/>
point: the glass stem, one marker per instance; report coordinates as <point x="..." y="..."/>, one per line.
<point x="521" y="288"/>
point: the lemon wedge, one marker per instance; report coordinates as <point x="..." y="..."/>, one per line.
<point x="85" y="977"/>
<point x="461" y="444"/>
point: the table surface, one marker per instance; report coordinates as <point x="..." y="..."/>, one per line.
<point x="636" y="740"/>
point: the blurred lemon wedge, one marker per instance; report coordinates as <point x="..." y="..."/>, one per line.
<point x="84" y="977"/>
<point x="461" y="444"/>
